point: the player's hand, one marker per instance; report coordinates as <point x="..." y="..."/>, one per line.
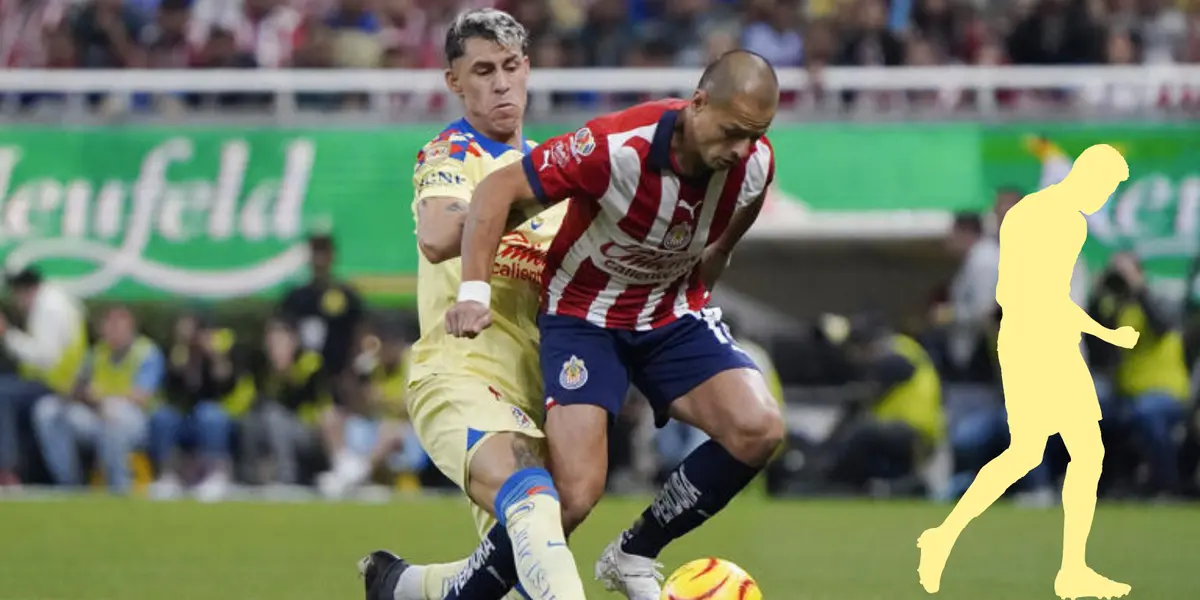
<point x="1125" y="337"/>
<point x="468" y="319"/>
<point x="712" y="265"/>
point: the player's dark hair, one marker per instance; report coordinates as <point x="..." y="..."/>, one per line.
<point x="488" y="24"/>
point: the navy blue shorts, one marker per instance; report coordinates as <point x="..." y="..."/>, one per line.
<point x="586" y="364"/>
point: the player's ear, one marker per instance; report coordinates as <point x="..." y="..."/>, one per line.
<point x="699" y="99"/>
<point x="452" y="82"/>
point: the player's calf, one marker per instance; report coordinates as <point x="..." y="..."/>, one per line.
<point x="745" y="427"/>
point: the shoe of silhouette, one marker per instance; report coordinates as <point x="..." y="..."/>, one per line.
<point x="1071" y="584"/>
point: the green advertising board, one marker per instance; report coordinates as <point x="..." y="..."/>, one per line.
<point x="150" y="212"/>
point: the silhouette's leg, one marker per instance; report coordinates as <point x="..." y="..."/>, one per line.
<point x="1079" y="490"/>
<point x="1075" y="579"/>
<point x="1023" y="454"/>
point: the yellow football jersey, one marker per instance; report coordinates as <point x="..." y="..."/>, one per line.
<point x="451" y="165"/>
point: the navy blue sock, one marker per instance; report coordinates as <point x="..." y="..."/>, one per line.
<point x="491" y="571"/>
<point x="697" y="489"/>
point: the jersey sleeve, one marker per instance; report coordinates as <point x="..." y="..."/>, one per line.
<point x="760" y="172"/>
<point x="444" y="168"/>
<point x="571" y="165"/>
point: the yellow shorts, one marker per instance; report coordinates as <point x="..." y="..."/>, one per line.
<point x="454" y="414"/>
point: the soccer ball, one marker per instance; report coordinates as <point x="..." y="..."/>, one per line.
<point x="710" y="579"/>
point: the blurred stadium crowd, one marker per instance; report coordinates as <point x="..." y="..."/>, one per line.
<point x="596" y="33"/>
<point x="321" y="34"/>
<point x="316" y="397"/>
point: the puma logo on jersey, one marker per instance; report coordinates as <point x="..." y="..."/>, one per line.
<point x="690" y="208"/>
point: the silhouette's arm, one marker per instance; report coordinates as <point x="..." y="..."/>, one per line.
<point x="1089" y="325"/>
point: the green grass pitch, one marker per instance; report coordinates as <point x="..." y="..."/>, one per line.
<point x="107" y="549"/>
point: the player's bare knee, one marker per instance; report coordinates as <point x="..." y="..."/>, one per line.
<point x="497" y="459"/>
<point x="752" y="435"/>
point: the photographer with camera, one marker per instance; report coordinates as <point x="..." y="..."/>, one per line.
<point x="1150" y="381"/>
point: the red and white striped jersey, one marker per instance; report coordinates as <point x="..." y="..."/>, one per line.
<point x="628" y="252"/>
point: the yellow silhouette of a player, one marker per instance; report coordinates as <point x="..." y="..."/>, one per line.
<point x="1047" y="386"/>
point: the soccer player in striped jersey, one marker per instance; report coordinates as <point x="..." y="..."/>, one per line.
<point x="477" y="405"/>
<point x="660" y="195"/>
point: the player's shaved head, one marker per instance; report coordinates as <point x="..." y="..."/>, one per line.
<point x="732" y="108"/>
<point x="740" y="74"/>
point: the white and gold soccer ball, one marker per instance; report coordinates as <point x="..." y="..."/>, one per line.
<point x="710" y="579"/>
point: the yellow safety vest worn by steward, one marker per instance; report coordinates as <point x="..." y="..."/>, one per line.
<point x="1155" y="364"/>
<point x="109" y="378"/>
<point x="918" y="401"/>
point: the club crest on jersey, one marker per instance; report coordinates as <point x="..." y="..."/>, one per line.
<point x="573" y="375"/>
<point x="523" y="420"/>
<point x="436" y="151"/>
<point x="583" y="143"/>
<point x="677" y="237"/>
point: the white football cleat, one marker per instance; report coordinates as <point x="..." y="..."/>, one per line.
<point x="637" y="577"/>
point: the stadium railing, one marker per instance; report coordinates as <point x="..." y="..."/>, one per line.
<point x="1161" y="89"/>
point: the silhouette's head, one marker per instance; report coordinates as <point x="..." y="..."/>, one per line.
<point x="1095" y="176"/>
<point x="966" y="230"/>
<point x="733" y="106"/>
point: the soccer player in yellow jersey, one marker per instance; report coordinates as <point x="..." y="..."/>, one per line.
<point x="476" y="404"/>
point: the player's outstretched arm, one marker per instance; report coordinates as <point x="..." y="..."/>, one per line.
<point x="494" y="199"/>
<point x="440" y="223"/>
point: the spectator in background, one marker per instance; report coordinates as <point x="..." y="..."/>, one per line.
<point x="108" y="410"/>
<point x="268" y="30"/>
<point x="291" y="398"/>
<point x="381" y="435"/>
<point x="900" y="420"/>
<point x="165" y="40"/>
<point x="203" y="370"/>
<point x="356" y="35"/>
<point x="107" y="33"/>
<point x="329" y="318"/>
<point x="24" y="27"/>
<point x="939" y="23"/>
<point x="870" y="43"/>
<point x="1056" y="32"/>
<point x="1152" y="377"/>
<point x="607" y="35"/>
<point x="50" y="352"/>
<point x="220" y="52"/>
<point x="772" y="31"/>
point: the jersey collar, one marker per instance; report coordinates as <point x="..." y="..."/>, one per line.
<point x="660" y="158"/>
<point x="492" y="147"/>
<point x="660" y="146"/>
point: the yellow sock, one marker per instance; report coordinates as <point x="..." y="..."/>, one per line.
<point x="544" y="563"/>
